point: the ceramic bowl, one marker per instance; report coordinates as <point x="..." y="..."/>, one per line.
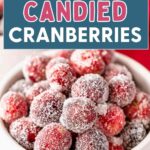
<point x="141" y="76"/>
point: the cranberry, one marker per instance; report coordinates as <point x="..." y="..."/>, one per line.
<point x="56" y="60"/>
<point x="92" y="86"/>
<point x="139" y="109"/>
<point x="36" y="89"/>
<point x="24" y="131"/>
<point x="87" y="61"/>
<point x="12" y="106"/>
<point x="34" y="68"/>
<point x="111" y="121"/>
<point x="53" y="137"/>
<point x="46" y="107"/>
<point x="116" y="69"/>
<point x="61" y="76"/>
<point x="92" y="139"/>
<point x="122" y="90"/>
<point x="116" y="143"/>
<point x="79" y="114"/>
<point x="20" y="86"/>
<point x="133" y="134"/>
<point x="107" y="56"/>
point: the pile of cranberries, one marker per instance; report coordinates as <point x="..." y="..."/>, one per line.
<point x="76" y="100"/>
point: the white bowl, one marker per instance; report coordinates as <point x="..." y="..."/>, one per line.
<point x="141" y="76"/>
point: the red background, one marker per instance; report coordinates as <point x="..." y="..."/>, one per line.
<point x="141" y="56"/>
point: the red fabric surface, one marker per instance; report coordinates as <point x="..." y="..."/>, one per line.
<point x="141" y="56"/>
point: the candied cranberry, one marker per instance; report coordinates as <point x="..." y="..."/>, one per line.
<point x="56" y="60"/>
<point x="24" y="132"/>
<point x="87" y="61"/>
<point x="34" y="68"/>
<point x="133" y="134"/>
<point x="107" y="56"/>
<point x="92" y="139"/>
<point x="116" y="143"/>
<point x="115" y="147"/>
<point x="12" y="106"/>
<point x="20" y="86"/>
<point x="46" y="107"/>
<point x="122" y="90"/>
<point x="79" y="114"/>
<point x="139" y="109"/>
<point x="53" y="137"/>
<point x="111" y="121"/>
<point x="116" y="69"/>
<point x="36" y="89"/>
<point x="61" y="76"/>
<point x="59" y="53"/>
<point x="91" y="86"/>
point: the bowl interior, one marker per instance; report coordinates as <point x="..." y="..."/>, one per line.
<point x="13" y="75"/>
<point x="141" y="76"/>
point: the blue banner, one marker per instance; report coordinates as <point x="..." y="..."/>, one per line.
<point x="75" y="24"/>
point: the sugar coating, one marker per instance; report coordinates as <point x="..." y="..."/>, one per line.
<point x="112" y="122"/>
<point x="20" y="86"/>
<point x="115" y="147"/>
<point x="139" y="109"/>
<point x="47" y="107"/>
<point x="92" y="86"/>
<point x="79" y="114"/>
<point x="92" y="139"/>
<point x="57" y="60"/>
<point x="36" y="89"/>
<point x="61" y="76"/>
<point x="107" y="56"/>
<point x="133" y="134"/>
<point x="12" y="106"/>
<point x="115" y="143"/>
<point x="122" y="90"/>
<point x="34" y="68"/>
<point x="24" y="131"/>
<point x="116" y="140"/>
<point x="53" y="137"/>
<point x="87" y="61"/>
<point x="102" y="108"/>
<point x="115" y="69"/>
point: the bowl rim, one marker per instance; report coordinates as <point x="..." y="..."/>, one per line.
<point x="16" y="71"/>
